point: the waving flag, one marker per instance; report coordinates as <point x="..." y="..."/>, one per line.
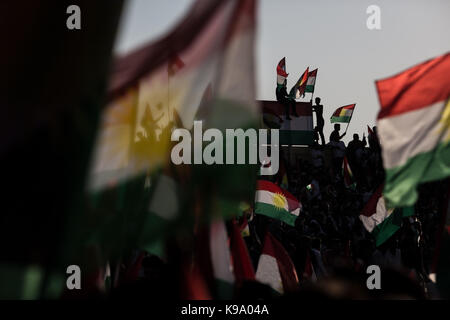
<point x="281" y="71"/>
<point x="311" y="82"/>
<point x="275" y="267"/>
<point x="274" y="202"/>
<point x="347" y="174"/>
<point x="414" y="128"/>
<point x="380" y="221"/>
<point x="299" y="88"/>
<point x="343" y="114"/>
<point x="213" y="45"/>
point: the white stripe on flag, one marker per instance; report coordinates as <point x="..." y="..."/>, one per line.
<point x="267" y="197"/>
<point x="409" y="134"/>
<point x="268" y="272"/>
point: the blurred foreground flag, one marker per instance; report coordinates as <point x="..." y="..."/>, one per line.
<point x="274" y="202"/>
<point x="160" y="86"/>
<point x="380" y="221"/>
<point x="275" y="267"/>
<point x="414" y="128"/>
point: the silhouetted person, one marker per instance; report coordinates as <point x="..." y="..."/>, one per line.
<point x="284" y="98"/>
<point x="318" y="109"/>
<point x="374" y="144"/>
<point x="334" y="136"/>
<point x="356" y="144"/>
<point x="354" y="149"/>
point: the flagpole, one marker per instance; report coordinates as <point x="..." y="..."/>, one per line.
<point x="349" y="120"/>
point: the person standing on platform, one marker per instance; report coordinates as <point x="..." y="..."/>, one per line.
<point x="320" y="122"/>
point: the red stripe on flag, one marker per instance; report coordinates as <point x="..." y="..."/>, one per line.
<point x="371" y="206"/>
<point x="287" y="269"/>
<point x="281" y="68"/>
<point x="415" y="88"/>
<point x="242" y="265"/>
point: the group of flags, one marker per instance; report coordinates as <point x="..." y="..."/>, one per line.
<point x="305" y="83"/>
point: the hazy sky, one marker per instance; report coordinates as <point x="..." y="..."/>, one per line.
<point x="326" y="34"/>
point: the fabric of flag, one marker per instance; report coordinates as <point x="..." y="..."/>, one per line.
<point x="135" y="130"/>
<point x="299" y="88"/>
<point x="274" y="202"/>
<point x="175" y="64"/>
<point x="309" y="273"/>
<point x="380" y="221"/>
<point x="347" y="174"/>
<point x="242" y="264"/>
<point x="281" y="72"/>
<point x="311" y="82"/>
<point x="343" y="114"/>
<point x="275" y="267"/>
<point x="414" y="128"/>
<point x="297" y="131"/>
<point x="221" y="259"/>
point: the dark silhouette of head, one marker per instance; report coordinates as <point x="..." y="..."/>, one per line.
<point x="356" y="137"/>
<point x="337" y="126"/>
<point x="317" y="100"/>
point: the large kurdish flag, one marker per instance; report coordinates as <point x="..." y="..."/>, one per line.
<point x="343" y="114"/>
<point x="380" y="221"/>
<point x="274" y="202"/>
<point x="414" y="128"/>
<point x="311" y="82"/>
<point x="298" y="131"/>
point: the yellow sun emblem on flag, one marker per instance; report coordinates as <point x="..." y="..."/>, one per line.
<point x="445" y="120"/>
<point x="279" y="201"/>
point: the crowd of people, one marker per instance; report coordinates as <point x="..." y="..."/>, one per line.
<point x="329" y="246"/>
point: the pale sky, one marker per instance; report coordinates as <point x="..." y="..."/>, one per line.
<point x="326" y="34"/>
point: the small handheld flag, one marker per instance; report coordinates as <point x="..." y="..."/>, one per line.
<point x="281" y="71"/>
<point x="311" y="82"/>
<point x="347" y="174"/>
<point x="343" y="114"/>
<point x="299" y="88"/>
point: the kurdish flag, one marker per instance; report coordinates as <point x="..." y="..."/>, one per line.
<point x="299" y="88"/>
<point x="414" y="128"/>
<point x="281" y="71"/>
<point x="275" y="267"/>
<point x="380" y="221"/>
<point x="274" y="202"/>
<point x="311" y="82"/>
<point x="343" y="114"/>
<point x="347" y="174"/>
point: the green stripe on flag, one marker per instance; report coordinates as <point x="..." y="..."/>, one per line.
<point x="275" y="213"/>
<point x="340" y="119"/>
<point x="390" y="225"/>
<point x="309" y="88"/>
<point x="401" y="182"/>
